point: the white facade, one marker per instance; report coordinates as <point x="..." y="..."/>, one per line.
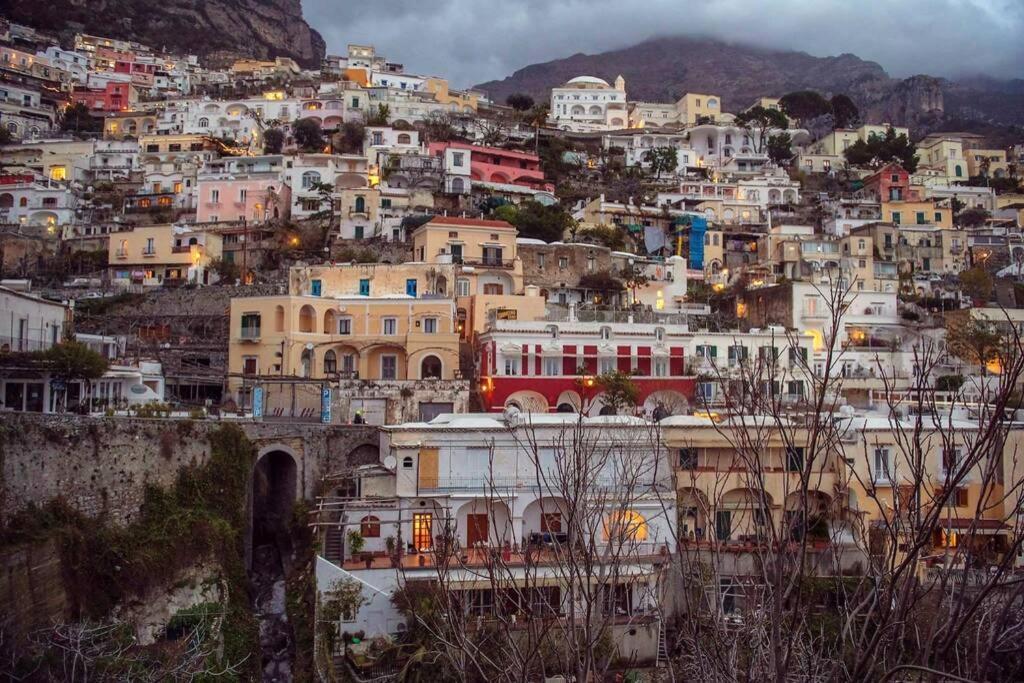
<point x="637" y="147"/>
<point x="303" y="171"/>
<point x="475" y="477"/>
<point x="41" y="204"/>
<point x="587" y="103"/>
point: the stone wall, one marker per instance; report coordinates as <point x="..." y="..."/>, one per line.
<point x="103" y="465"/>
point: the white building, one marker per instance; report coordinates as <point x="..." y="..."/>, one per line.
<point x="586" y="103"/>
<point x="303" y="172"/>
<point x="472" y="480"/>
<point x="638" y="147"/>
<point x="23" y="113"/>
<point x="43" y="204"/>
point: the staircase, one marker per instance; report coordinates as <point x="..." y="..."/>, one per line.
<point x="334" y="544"/>
<point x="662" y="658"/>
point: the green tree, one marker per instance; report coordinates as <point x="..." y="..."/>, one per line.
<point x="662" y="160"/>
<point x="73" y="360"/>
<point x="878" y="150"/>
<point x="976" y="283"/>
<point x="350" y="137"/>
<point x="780" y="148"/>
<point x="972" y="218"/>
<point x="308" y="135"/>
<point x="844" y="112"/>
<point x="519" y="101"/>
<point x="77" y="119"/>
<point x="610" y="236"/>
<point x="804" y="105"/>
<point x="273" y="141"/>
<point x="379" y="117"/>
<point x="548" y="223"/>
<point x="759" y="122"/>
<point x="972" y="340"/>
<point x="619" y="392"/>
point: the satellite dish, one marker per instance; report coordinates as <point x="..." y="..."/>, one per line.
<point x="390" y="462"/>
<point x="309" y="346"/>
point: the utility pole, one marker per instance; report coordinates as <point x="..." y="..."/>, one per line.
<point x="245" y="251"/>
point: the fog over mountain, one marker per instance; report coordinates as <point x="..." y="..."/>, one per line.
<point x="471" y="41"/>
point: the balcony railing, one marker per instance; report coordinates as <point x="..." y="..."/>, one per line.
<point x="187" y="248"/>
<point x="148" y="252"/>
<point x="508" y="264"/>
<point x="122" y="253"/>
<point x="250" y="333"/>
<point x="24" y="344"/>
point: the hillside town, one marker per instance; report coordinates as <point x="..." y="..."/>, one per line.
<point x="582" y="389"/>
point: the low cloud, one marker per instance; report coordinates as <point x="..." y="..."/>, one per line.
<point x="470" y="41"/>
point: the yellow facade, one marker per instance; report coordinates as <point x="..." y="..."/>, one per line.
<point x="836" y="142"/>
<point x="351" y="337"/>
<point x="486" y="250"/>
<point x="438" y="87"/>
<point x="945" y="155"/>
<point x="924" y="212"/>
<point x="691" y="106"/>
<point x="990" y="162"/>
<point x="160" y="246"/>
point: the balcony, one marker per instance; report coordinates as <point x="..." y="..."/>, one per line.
<point x="250" y="334"/>
<point x="122" y="253"/>
<point x="507" y="264"/>
<point x="149" y="253"/>
<point x="188" y="248"/>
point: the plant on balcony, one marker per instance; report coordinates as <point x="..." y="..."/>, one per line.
<point x="355" y="542"/>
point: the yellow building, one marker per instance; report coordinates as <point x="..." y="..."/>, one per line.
<point x="989" y="162"/>
<point x="945" y="154"/>
<point x="132" y="124"/>
<point x="384" y="336"/>
<point x="924" y="212"/>
<point x="836" y="142"/>
<point x="465" y="101"/>
<point x="692" y="106"/>
<point x="162" y="254"/>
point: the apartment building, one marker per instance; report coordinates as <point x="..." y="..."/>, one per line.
<point x="162" y="255"/>
<point x="473" y="485"/>
<point x="243" y="188"/>
<point x="381" y="339"/>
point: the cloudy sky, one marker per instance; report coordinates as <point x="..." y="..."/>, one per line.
<point x="471" y="41"/>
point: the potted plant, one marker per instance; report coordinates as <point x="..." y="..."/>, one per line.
<point x="356" y="543"/>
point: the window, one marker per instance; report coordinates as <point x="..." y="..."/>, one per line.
<point x="706" y="391"/>
<point x="410" y="287"/>
<point x="344" y="325"/>
<point x="661" y="367"/>
<point x="215" y="196"/>
<point x="359" y="232"/>
<point x="457" y="158"/>
<point x="309" y="179"/>
<point x="563" y="262"/>
<point x="938" y="216"/>
<point x="512" y="366"/>
<point x="407" y="462"/>
<point x="896" y="217"/>
<point x="920" y="218"/>
<point x="494" y="288"/>
<point x="369" y="527"/>
<point x="250" y="325"/>
<point x="883" y="466"/>
<point x="687" y="458"/>
<point x="389" y="367"/>
<point x="960" y="499"/>
<point x="462" y="287"/>
<point x="364" y="287"/>
<point x="150" y="246"/>
<point x="795" y="459"/>
<point x="552" y="366"/>
<point x="723" y="525"/>
<point x="250" y="365"/>
<point x="708" y="352"/>
<point x="315" y="287"/>
<point x="330" y="363"/>
<point x="951" y="461"/>
<point x="430" y="325"/>
<point x="540" y="261"/>
<point x="390" y="326"/>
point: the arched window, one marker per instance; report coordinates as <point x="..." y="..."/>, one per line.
<point x="330" y="322"/>
<point x="552" y="330"/>
<point x="369" y="527"/>
<point x="309" y="179"/>
<point x="407" y="462"/>
<point x="404" y="139"/>
<point x="307" y="363"/>
<point x="958" y="171"/>
<point x="458" y="186"/>
<point x="203" y="122"/>
<point x="307" y="318"/>
<point x="279" y="319"/>
<point x="330" y="363"/>
<point x="430" y="368"/>
<point x="360" y="205"/>
<point x="712" y="103"/>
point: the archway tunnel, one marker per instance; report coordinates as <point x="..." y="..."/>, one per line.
<point x="274" y="485"/>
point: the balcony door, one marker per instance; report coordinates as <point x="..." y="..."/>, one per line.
<point x="476" y="529"/>
<point x="422" y="526"/>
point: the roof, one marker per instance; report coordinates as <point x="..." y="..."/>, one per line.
<point x="588" y="80"/>
<point x="469" y="222"/>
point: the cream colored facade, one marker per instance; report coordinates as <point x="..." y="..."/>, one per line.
<point x="926" y="212"/>
<point x="836" y="142"/>
<point x="995" y="159"/>
<point x="464" y="101"/>
<point x="944" y="154"/>
<point x="691" y="106"/>
<point x="157" y="253"/>
<point x="485" y="250"/>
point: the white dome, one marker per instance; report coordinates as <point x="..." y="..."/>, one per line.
<point x="589" y="80"/>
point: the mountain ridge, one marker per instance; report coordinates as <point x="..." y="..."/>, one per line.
<point x="219" y="31"/>
<point x="662" y="69"/>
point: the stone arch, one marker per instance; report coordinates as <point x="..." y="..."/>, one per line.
<point x="528" y="401"/>
<point x="307" y="319"/>
<point x="431" y="367"/>
<point x="273" y="491"/>
<point x="666" y="402"/>
<point x="330" y="322"/>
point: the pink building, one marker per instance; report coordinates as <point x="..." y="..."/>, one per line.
<point x="236" y="188"/>
<point x="496" y="165"/>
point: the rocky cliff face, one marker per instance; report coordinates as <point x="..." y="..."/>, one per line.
<point x="218" y="30"/>
<point x="665" y="68"/>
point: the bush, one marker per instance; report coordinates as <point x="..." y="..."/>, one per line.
<point x="949" y="382"/>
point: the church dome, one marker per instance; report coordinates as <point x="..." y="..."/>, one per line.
<point x="588" y="81"/>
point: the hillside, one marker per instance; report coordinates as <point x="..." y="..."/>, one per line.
<point x="218" y="30"/>
<point x="662" y="69"/>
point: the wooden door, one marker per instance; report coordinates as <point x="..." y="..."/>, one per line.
<point x="428" y="468"/>
<point x="476" y="529"/>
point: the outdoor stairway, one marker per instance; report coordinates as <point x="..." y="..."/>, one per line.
<point x="334" y="544"/>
